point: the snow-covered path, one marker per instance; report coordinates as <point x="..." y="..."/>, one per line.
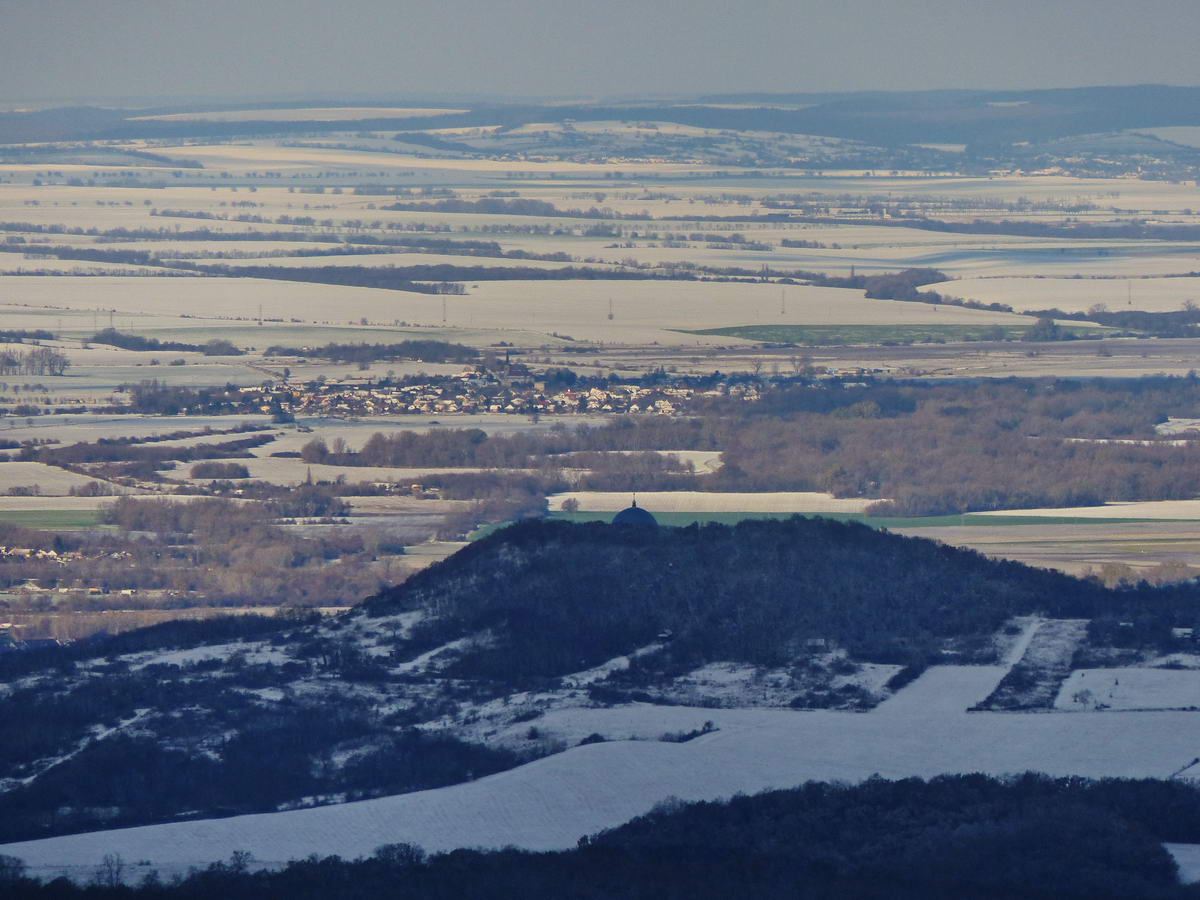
<point x="1021" y="644"/>
<point x="45" y="765"/>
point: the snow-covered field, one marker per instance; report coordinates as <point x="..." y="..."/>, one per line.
<point x="1102" y="192"/>
<point x="389" y="259"/>
<point x="711" y="501"/>
<point x="94" y="426"/>
<point x="16" y="263"/>
<point x="214" y="298"/>
<point x="187" y="249"/>
<point x="924" y="730"/>
<point x="1080" y="294"/>
<point x="295" y="471"/>
<point x="49" y="480"/>
<point x="358" y="432"/>
<point x="16" y="504"/>
<point x="1140" y="509"/>
<point x="1130" y="688"/>
<point x="644" y="311"/>
<point x="1020" y="261"/>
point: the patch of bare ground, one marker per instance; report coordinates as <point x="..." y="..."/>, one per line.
<point x="1034" y="681"/>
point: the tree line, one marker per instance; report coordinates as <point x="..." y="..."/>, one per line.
<point x="205" y="234"/>
<point x="505" y="207"/>
<point x="433" y="278"/>
<point x="423" y="350"/>
<point x="35" y="361"/>
<point x="119" y="450"/>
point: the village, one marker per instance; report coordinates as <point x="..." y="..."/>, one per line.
<point x="468" y="393"/>
<point x="516" y="392"/>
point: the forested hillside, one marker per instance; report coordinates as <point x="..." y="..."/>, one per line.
<point x="556" y="598"/>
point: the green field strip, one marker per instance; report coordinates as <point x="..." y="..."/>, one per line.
<point x="51" y="519"/>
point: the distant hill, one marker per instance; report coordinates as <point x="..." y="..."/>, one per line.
<point x="56" y="124"/>
<point x="558" y="597"/>
<point x="985" y="118"/>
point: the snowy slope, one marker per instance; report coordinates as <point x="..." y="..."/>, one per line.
<point x="547" y="804"/>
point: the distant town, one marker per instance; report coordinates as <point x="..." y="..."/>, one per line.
<point x="480" y="392"/>
<point x="517" y="391"/>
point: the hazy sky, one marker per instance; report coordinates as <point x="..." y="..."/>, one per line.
<point x="81" y="49"/>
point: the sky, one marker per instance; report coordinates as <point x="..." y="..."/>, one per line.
<point x="84" y="50"/>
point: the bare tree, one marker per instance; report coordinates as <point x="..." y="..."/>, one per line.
<point x="111" y="871"/>
<point x="12" y="870"/>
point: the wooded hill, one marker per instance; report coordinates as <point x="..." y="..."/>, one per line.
<point x="556" y="597"/>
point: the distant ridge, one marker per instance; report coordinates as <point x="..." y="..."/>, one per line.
<point x="879" y="117"/>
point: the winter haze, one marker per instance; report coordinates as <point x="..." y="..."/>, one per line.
<point x="62" y="49"/>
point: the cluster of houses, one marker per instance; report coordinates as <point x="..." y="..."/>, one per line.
<point x="474" y="392"/>
<point x="63" y="557"/>
<point x="30" y="553"/>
